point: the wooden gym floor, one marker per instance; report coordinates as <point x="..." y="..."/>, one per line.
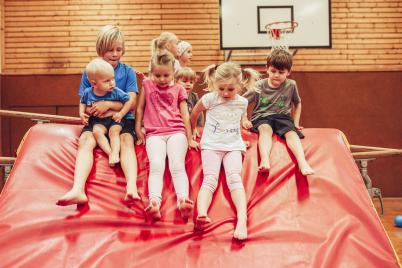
<point x="392" y="207"/>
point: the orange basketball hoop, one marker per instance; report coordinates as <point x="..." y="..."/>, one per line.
<point x="279" y="32"/>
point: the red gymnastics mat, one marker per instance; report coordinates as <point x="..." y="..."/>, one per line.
<point x="324" y="220"/>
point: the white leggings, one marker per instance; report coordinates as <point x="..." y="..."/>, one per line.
<point x="211" y="165"/>
<point x="175" y="147"/>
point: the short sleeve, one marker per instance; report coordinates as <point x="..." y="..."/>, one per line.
<point x="182" y="94"/>
<point x="295" y="97"/>
<point x="250" y="96"/>
<point x="84" y="84"/>
<point x="121" y="95"/>
<point x="131" y="84"/>
<point x="207" y="100"/>
<point x="84" y="97"/>
<point x="253" y="94"/>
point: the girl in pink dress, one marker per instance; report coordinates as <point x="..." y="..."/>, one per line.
<point x="162" y="108"/>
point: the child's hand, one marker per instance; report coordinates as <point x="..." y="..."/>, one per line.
<point x="84" y="118"/>
<point x="140" y="137"/>
<point x="299" y="127"/>
<point x="192" y="144"/>
<point x="117" y="117"/>
<point x="195" y="134"/>
<point x="98" y="108"/>
<point x="247" y="124"/>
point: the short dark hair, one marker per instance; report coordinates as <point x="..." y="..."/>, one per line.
<point x="280" y="59"/>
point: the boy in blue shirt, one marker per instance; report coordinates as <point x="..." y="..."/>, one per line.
<point x="110" y="47"/>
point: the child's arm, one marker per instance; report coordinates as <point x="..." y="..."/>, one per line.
<point x="111" y="106"/>
<point x="139" y="114"/>
<point x="104" y="108"/>
<point x="127" y="106"/>
<point x="186" y="119"/>
<point x="84" y="116"/>
<point x="245" y="122"/>
<point x="133" y="95"/>
<point x="296" y="115"/>
<point x="198" y="108"/>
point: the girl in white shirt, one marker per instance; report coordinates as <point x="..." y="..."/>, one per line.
<point x="221" y="140"/>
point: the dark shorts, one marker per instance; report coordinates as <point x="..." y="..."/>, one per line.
<point x="280" y="124"/>
<point x="128" y="127"/>
<point x="107" y="122"/>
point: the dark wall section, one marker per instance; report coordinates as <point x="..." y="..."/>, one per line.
<point x="366" y="106"/>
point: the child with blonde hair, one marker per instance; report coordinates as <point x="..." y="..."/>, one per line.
<point x="185" y="53"/>
<point x="277" y="110"/>
<point x="163" y="109"/>
<point x="186" y="77"/>
<point x="110" y="47"/>
<point x="221" y="141"/>
<point x="166" y="42"/>
<point x="103" y="88"/>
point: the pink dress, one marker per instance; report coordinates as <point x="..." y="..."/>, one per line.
<point x="162" y="109"/>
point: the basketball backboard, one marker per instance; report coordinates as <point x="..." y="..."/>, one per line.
<point x="242" y="23"/>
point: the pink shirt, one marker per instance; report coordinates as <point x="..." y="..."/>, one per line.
<point x="162" y="109"/>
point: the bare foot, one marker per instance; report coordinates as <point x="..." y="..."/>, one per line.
<point x="153" y="211"/>
<point x="264" y="166"/>
<point x="72" y="197"/>
<point x="130" y="198"/>
<point x="186" y="207"/>
<point x="305" y="169"/>
<point x="201" y="221"/>
<point x="240" y="232"/>
<point x="113" y="159"/>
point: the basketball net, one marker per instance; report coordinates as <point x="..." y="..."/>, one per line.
<point x="279" y="33"/>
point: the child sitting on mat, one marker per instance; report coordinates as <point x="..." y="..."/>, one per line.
<point x="163" y="107"/>
<point x="277" y="110"/>
<point x="221" y="141"/>
<point x="110" y="47"/>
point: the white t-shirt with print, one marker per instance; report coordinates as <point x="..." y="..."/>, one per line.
<point x="222" y="130"/>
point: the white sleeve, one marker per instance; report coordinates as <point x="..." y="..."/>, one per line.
<point x="207" y="100"/>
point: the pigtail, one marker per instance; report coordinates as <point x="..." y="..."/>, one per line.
<point x="250" y="76"/>
<point x="209" y="73"/>
<point x="154" y="46"/>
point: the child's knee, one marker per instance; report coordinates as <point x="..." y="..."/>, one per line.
<point x="115" y="130"/>
<point x="291" y="134"/>
<point x="98" y="131"/>
<point x="157" y="166"/>
<point x="210" y="182"/>
<point x="87" y="139"/>
<point x="126" y="139"/>
<point x="265" y="129"/>
<point x="234" y="182"/>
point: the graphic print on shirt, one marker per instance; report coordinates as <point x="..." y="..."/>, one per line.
<point x="230" y="118"/>
<point x="275" y="105"/>
<point x="163" y="100"/>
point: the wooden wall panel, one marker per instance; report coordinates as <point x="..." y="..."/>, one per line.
<point x="1" y="34"/>
<point x="58" y="37"/>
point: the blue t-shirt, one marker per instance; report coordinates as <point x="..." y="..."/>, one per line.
<point x="89" y="97"/>
<point x="125" y="78"/>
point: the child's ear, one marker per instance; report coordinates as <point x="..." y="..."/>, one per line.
<point x="290" y="71"/>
